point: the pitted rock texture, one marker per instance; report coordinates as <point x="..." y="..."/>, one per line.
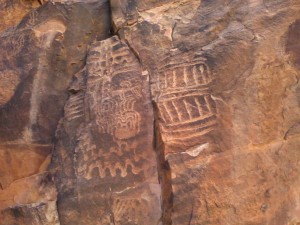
<point x="12" y="11"/>
<point x="106" y="143"/>
<point x="39" y="58"/>
<point x="145" y="112"/>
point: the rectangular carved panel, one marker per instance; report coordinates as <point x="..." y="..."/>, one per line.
<point x="187" y="112"/>
<point x="115" y="159"/>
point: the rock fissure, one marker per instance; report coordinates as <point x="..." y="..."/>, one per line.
<point x="164" y="172"/>
<point x="162" y="164"/>
<point x="160" y="112"/>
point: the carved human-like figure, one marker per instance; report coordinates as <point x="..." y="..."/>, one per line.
<point x="114" y="86"/>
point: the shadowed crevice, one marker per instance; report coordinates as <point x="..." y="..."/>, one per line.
<point x="164" y="171"/>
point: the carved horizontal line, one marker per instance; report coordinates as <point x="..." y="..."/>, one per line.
<point x="182" y="94"/>
<point x="127" y="70"/>
<point x="179" y="58"/>
<point x="74" y="104"/>
<point x="69" y="118"/>
<point x="192" y="128"/>
<point x="77" y="96"/>
<point x="188" y="123"/>
<point x="203" y="88"/>
<point x="174" y="65"/>
<point x="179" y="139"/>
<point x="74" y="112"/>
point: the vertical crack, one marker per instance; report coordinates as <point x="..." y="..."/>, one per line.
<point x="58" y="214"/>
<point x="191" y="215"/>
<point x="164" y="171"/>
<point x="163" y="167"/>
<point x="111" y="211"/>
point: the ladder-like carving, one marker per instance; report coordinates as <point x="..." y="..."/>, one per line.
<point x="75" y="107"/>
<point x="186" y="108"/>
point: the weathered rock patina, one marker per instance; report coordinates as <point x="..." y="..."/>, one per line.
<point x="150" y="112"/>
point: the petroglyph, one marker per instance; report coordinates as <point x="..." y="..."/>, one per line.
<point x="12" y="45"/>
<point x="114" y="86"/>
<point x="47" y="31"/>
<point x="32" y="19"/>
<point x="129" y="210"/>
<point x="74" y="108"/>
<point x="9" y="80"/>
<point x="185" y="106"/>
<point x="118" y="160"/>
<point x="131" y="205"/>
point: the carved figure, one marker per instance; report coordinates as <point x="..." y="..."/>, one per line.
<point x="114" y="90"/>
<point x="32" y="18"/>
<point x="185" y="105"/>
<point x="114" y="86"/>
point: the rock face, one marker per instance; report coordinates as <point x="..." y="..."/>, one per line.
<point x="39" y="58"/>
<point x="13" y="11"/>
<point x="150" y="112"/>
<point x="106" y="142"/>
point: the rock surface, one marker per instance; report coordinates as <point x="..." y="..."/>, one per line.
<point x="182" y="112"/>
<point x="106" y="143"/>
<point x="40" y="56"/>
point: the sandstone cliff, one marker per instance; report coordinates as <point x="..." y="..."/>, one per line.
<point x="150" y="112"/>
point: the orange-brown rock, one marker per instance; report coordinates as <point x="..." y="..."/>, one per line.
<point x="224" y="78"/>
<point x="181" y="112"/>
<point x="23" y="161"/>
<point x="106" y="143"/>
<point x="37" y="63"/>
<point x="13" y="11"/>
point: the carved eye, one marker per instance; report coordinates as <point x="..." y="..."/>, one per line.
<point x="201" y="68"/>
